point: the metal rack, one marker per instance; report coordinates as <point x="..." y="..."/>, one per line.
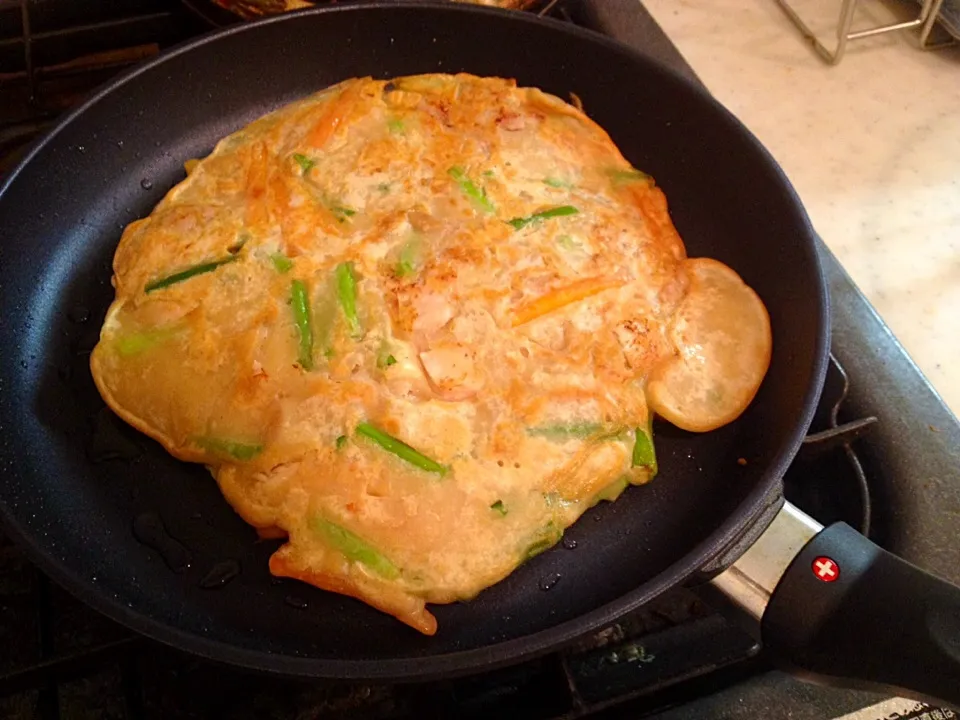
<point x="926" y="20"/>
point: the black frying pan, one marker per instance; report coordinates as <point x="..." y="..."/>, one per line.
<point x="73" y="480"/>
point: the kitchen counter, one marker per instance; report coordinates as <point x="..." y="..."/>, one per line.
<point x="872" y="146"/>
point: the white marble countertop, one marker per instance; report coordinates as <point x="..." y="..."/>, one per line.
<point x="872" y="146"/>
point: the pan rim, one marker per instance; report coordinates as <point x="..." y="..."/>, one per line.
<point x="490" y="656"/>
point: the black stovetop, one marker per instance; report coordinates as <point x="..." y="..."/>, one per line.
<point x="896" y="477"/>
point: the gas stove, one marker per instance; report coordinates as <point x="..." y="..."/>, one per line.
<point x="886" y="468"/>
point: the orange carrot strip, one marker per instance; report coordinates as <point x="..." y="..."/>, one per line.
<point x="561" y="297"/>
<point x="333" y="114"/>
<point x="257" y="211"/>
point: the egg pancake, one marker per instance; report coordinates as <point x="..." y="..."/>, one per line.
<point x="251" y="9"/>
<point x="417" y="328"/>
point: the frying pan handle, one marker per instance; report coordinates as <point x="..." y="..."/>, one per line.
<point x="846" y="612"/>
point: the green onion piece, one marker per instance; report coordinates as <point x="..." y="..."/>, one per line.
<point x="342" y="212"/>
<point x="347" y="293"/>
<point x="341" y="442"/>
<point x="400" y="449"/>
<point x="409" y="261"/>
<point x="644" y="454"/>
<point x="396" y="126"/>
<point x="136" y="343"/>
<point x="499" y="507"/>
<point x="281" y="263"/>
<point x="568" y="243"/>
<point x="565" y="432"/>
<point x="557" y="183"/>
<point x="385" y="361"/>
<point x="300" y="302"/>
<point x="188" y="273"/>
<point x="488" y="173"/>
<point x="478" y="196"/>
<point x="548" y="537"/>
<point x="355" y="548"/>
<point x="384" y="188"/>
<point x="229" y="448"/>
<point x="622" y="177"/>
<point x="538" y="547"/>
<point x="324" y="313"/>
<point x="304" y="162"/>
<point x="384" y="358"/>
<point x="581" y="430"/>
<point x="561" y="211"/>
<point x="612" y="491"/>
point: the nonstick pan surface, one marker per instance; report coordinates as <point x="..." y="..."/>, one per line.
<point x="74" y="480"/>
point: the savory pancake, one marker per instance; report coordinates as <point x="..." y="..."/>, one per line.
<point x="251" y="9"/>
<point x="417" y="328"/>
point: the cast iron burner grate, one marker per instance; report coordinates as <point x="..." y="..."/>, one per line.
<point x="60" y="659"/>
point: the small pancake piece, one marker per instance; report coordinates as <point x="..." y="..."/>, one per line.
<point x="722" y="336"/>
<point x="409" y="327"/>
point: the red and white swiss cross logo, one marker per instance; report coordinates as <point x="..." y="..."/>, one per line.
<point x="826" y="569"/>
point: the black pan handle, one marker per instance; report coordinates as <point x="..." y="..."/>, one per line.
<point x="835" y="608"/>
<point x="847" y="610"/>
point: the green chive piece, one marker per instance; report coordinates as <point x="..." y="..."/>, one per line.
<point x="565" y="432"/>
<point x="347" y="294"/>
<point x="341" y="442"/>
<point x="547" y="538"/>
<point x="644" y="454"/>
<point x="342" y="212"/>
<point x="409" y="261"/>
<point x="611" y="492"/>
<point x="400" y="449"/>
<point x="384" y="188"/>
<point x="300" y="302"/>
<point x="580" y="430"/>
<point x="386" y="361"/>
<point x="325" y="310"/>
<point x="396" y="126"/>
<point x="536" y="548"/>
<point x="355" y="548"/>
<point x="281" y="263"/>
<point x="304" y="162"/>
<point x="478" y="196"/>
<point x="568" y="243"/>
<point x="188" y="273"/>
<point x="499" y="508"/>
<point x="136" y="343"/>
<point x="521" y="222"/>
<point x="229" y="448"/>
<point x="384" y="358"/>
<point x="557" y="183"/>
<point x="622" y="177"/>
